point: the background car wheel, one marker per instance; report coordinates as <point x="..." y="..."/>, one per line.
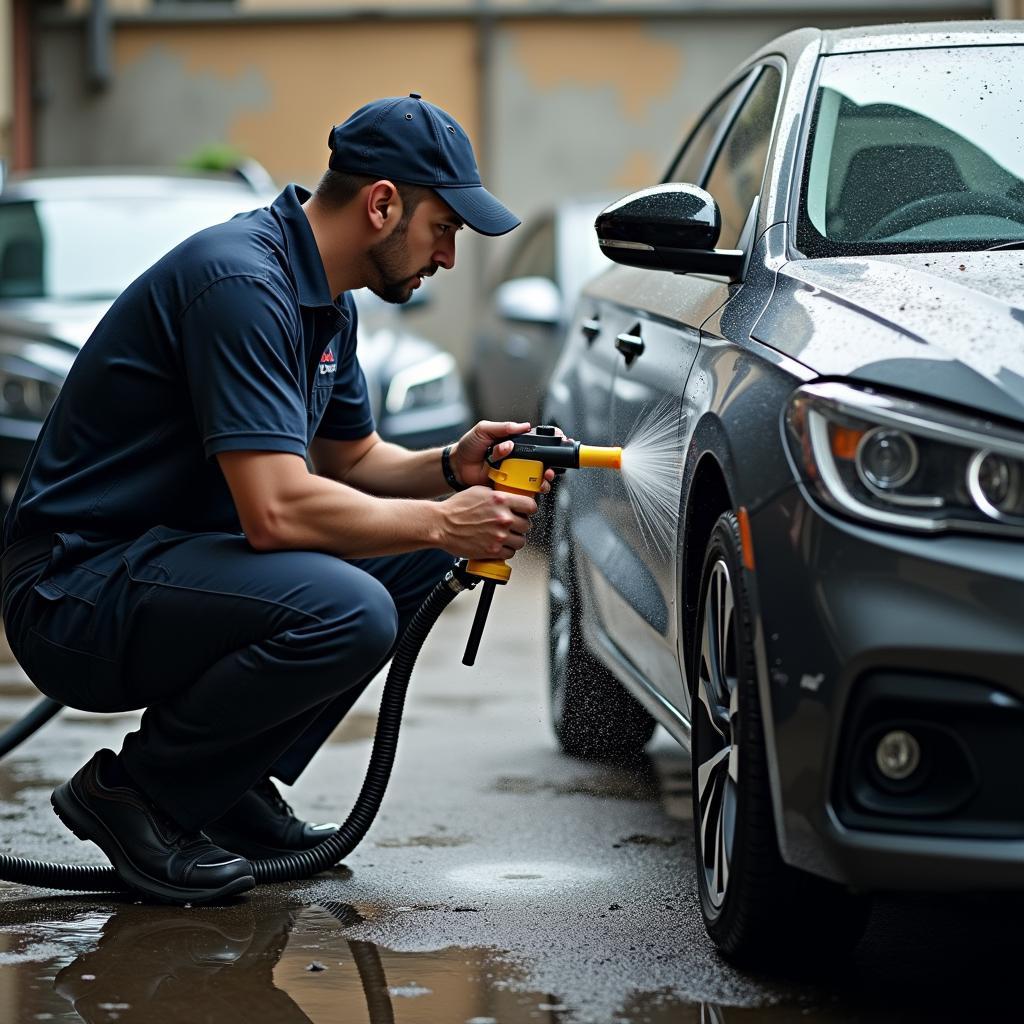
<point x="755" y="907"/>
<point x="593" y="716"/>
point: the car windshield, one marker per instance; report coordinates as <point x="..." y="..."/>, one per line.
<point x="93" y="248"/>
<point x="915" y="151"/>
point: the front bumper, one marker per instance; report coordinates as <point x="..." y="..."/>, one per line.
<point x="843" y="606"/>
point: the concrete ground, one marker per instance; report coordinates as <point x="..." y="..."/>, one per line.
<point x="502" y="882"/>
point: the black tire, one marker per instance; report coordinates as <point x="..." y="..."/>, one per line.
<point x="592" y="715"/>
<point x="756" y="908"/>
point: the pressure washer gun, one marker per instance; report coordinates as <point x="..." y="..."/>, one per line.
<point x="522" y="472"/>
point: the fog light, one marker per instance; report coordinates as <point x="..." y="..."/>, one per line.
<point x="897" y="755"/>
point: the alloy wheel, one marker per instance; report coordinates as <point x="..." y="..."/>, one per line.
<point x="716" y="746"/>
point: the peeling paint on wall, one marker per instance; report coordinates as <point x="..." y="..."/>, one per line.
<point x="157" y="113"/>
<point x="313" y="77"/>
<point x="638" y="65"/>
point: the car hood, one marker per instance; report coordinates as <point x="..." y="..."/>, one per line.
<point x="948" y="325"/>
<point x="73" y="322"/>
<point x="383" y="351"/>
<point x="70" y="322"/>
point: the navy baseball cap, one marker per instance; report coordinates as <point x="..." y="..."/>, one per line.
<point x="405" y="138"/>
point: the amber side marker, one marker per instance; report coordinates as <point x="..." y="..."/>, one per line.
<point x="845" y="441"/>
<point x="745" y="539"/>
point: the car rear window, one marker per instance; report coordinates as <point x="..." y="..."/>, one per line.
<point x="915" y="150"/>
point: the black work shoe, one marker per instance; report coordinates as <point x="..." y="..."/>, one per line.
<point x="262" y="824"/>
<point x="150" y="852"/>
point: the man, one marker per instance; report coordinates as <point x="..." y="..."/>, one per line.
<point x="168" y="547"/>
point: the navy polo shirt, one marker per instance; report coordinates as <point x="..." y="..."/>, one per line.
<point x="232" y="341"/>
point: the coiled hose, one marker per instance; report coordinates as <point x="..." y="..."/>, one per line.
<point x="292" y="866"/>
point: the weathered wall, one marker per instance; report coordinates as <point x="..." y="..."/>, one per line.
<point x="558" y="106"/>
<point x="273" y="92"/>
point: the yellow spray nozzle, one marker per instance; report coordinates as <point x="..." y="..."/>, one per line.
<point x="593" y="456"/>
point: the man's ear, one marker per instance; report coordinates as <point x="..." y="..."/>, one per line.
<point x="383" y="205"/>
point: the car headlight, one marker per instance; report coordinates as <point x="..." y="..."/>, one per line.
<point x="25" y="398"/>
<point x="27" y="392"/>
<point x="906" y="464"/>
<point x="432" y="382"/>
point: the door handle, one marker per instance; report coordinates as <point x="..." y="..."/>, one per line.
<point x="590" y="328"/>
<point x="630" y="344"/>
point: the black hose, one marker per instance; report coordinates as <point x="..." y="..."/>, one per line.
<point x="39" y="714"/>
<point x="292" y="866"/>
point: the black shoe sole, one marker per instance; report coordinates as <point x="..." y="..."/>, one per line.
<point x="77" y="816"/>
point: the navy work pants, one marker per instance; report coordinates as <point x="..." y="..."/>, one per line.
<point x="245" y="661"/>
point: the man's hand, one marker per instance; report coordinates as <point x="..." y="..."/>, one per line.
<point x="483" y="523"/>
<point x="468" y="457"/>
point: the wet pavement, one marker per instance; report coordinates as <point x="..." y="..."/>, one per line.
<point x="502" y="882"/>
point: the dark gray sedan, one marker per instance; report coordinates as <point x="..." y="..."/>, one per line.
<point x="813" y="577"/>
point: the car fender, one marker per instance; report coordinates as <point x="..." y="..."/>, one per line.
<point x="711" y="486"/>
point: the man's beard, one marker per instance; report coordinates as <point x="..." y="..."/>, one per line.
<point x="389" y="259"/>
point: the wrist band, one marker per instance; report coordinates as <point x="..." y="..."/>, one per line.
<point x="446" y="468"/>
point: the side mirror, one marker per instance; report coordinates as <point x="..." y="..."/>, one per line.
<point x="668" y="227"/>
<point x="531" y="300"/>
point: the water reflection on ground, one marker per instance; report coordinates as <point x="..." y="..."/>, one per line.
<point x="255" y="963"/>
<point x="267" y="962"/>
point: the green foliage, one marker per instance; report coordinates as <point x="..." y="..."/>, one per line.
<point x="214" y="156"/>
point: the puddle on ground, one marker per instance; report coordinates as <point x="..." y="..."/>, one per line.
<point x="14" y="687"/>
<point x="360" y="725"/>
<point x="459" y="703"/>
<point x="424" y="841"/>
<point x="640" y="839"/>
<point x="354" y="726"/>
<point x="612" y="785"/>
<point x="138" y="963"/>
<point x="259" y="961"/>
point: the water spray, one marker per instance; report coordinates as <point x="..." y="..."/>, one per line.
<point x="522" y="472"/>
<point x="652" y="471"/>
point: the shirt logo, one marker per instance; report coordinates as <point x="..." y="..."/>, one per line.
<point x="328" y="364"/>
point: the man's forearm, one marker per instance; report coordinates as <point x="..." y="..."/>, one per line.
<point x="341" y="520"/>
<point x="283" y="506"/>
<point x="393" y="471"/>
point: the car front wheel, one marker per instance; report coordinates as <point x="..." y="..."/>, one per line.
<point x="755" y="907"/>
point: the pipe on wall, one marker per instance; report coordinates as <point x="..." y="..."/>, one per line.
<point x="22" y="129"/>
<point x="98" y="44"/>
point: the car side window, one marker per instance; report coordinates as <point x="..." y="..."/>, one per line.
<point x="21" y="252"/>
<point x="535" y="255"/>
<point x="738" y="170"/>
<point x="693" y="157"/>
